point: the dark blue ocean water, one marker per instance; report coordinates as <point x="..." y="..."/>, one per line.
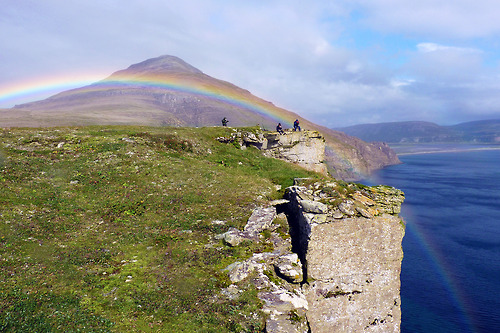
<point x="450" y="280"/>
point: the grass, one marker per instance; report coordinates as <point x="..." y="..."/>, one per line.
<point x="110" y="229"/>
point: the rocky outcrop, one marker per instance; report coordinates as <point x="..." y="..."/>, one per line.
<point x="304" y="148"/>
<point x="351" y="159"/>
<point x="276" y="275"/>
<point x="259" y="221"/>
<point x="349" y="240"/>
<point x="340" y="271"/>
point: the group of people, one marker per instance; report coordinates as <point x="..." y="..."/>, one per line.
<point x="296" y="127"/>
<point x="279" y="128"/>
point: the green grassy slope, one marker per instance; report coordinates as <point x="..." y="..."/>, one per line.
<point x="111" y="228"/>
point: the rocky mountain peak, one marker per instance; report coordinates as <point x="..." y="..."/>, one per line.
<point x="165" y="64"/>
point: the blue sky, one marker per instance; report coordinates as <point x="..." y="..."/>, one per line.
<point x="337" y="63"/>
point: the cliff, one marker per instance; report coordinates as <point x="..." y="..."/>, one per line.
<point x="341" y="271"/>
<point x="145" y="228"/>
<point x="304" y="148"/>
<point x="351" y="247"/>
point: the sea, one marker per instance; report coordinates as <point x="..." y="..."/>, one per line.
<point x="450" y="279"/>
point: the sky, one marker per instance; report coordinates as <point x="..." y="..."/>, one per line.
<point x="334" y="62"/>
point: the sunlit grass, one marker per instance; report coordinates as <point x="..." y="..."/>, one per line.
<point x="111" y="228"/>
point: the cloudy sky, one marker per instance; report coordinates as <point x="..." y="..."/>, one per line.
<point x="334" y="62"/>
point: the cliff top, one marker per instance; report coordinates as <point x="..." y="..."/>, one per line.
<point x="116" y="226"/>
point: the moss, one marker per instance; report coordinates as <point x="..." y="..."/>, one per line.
<point x="273" y="278"/>
<point x="294" y="317"/>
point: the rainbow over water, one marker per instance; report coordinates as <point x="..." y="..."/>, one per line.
<point x="439" y="263"/>
<point x="441" y="267"/>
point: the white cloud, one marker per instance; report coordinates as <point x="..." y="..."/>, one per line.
<point x="433" y="47"/>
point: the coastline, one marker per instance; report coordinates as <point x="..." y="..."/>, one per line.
<point x="420" y="149"/>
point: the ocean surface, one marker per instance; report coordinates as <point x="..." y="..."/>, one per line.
<point x="450" y="279"/>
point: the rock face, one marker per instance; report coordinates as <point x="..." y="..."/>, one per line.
<point x="305" y="148"/>
<point x="340" y="270"/>
<point x="352" y="257"/>
<point x="357" y="287"/>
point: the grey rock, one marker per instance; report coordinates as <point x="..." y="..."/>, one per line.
<point x="239" y="271"/>
<point x="260" y="220"/>
<point x="358" y="196"/>
<point x="233" y="237"/>
<point x="364" y="212"/>
<point x="347" y="207"/>
<point x="337" y="215"/>
<point x="289" y="267"/>
<point x="354" y="264"/>
<point x="232" y="292"/>
<point x="310" y="206"/>
<point x="320" y="218"/>
<point x="359" y="285"/>
<point x="282" y="301"/>
<point x="295" y="321"/>
<point x="279" y="202"/>
<point x="305" y="148"/>
<point x="128" y="140"/>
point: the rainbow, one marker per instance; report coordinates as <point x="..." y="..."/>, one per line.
<point x="38" y="88"/>
<point x="438" y="263"/>
<point x="440" y="266"/>
<point x="223" y="92"/>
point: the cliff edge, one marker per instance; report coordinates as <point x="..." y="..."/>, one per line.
<point x="340" y="271"/>
<point x="350" y="247"/>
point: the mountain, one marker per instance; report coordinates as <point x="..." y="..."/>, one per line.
<point x="479" y="131"/>
<point x="167" y="91"/>
<point x="160" y="91"/>
<point x="485" y="131"/>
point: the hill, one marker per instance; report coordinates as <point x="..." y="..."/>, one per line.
<point x="160" y="91"/>
<point x="166" y="91"/>
<point x="486" y="131"/>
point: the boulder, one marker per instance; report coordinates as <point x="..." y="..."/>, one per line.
<point x="310" y="206"/>
<point x="289" y="267"/>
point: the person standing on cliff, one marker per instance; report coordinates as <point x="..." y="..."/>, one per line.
<point x="224" y="121"/>
<point x="279" y="129"/>
<point x="296" y="125"/>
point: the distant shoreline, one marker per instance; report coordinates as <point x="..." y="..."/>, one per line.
<point x="435" y="149"/>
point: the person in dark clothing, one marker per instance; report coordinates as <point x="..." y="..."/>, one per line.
<point x="296" y="125"/>
<point x="224" y="121"/>
<point x="279" y="129"/>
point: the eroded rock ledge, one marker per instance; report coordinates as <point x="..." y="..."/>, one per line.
<point x="340" y="270"/>
<point x="349" y="241"/>
<point x="305" y="148"/>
